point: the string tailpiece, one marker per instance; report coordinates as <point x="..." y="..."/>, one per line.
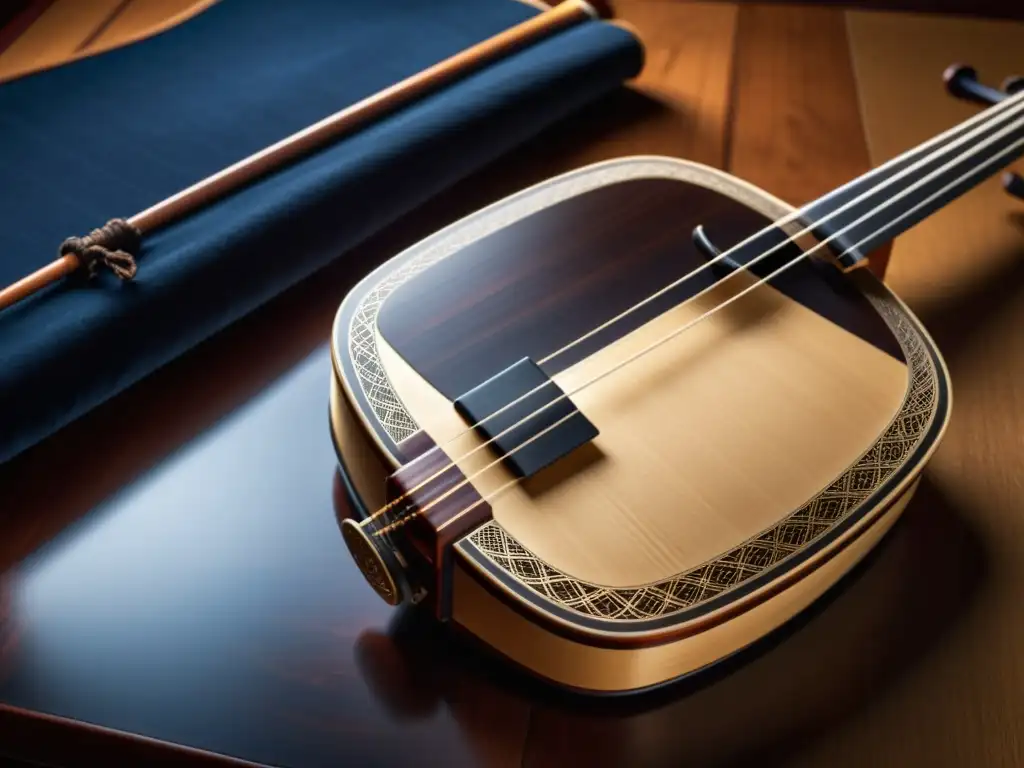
<point x="962" y="82"/>
<point x="113" y="246"/>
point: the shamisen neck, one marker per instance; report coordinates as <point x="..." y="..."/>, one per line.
<point x="876" y="207"/>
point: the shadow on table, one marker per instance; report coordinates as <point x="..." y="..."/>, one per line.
<point x="961" y="316"/>
<point x="58" y="481"/>
<point x="775" y="697"/>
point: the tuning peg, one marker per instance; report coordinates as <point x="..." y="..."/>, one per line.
<point x="1013" y="84"/>
<point x="962" y="82"/>
<point x="1013" y="184"/>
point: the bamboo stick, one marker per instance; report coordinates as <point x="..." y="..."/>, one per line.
<point x="315" y="136"/>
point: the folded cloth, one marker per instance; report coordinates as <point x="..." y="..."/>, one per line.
<point x="110" y="135"/>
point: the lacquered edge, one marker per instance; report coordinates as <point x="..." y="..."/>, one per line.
<point x="561" y="687"/>
<point x="735" y="600"/>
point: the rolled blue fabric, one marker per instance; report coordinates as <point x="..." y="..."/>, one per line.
<point x="111" y="135"/>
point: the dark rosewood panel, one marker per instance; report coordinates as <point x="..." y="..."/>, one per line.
<point x="532" y="287"/>
<point x="438" y="506"/>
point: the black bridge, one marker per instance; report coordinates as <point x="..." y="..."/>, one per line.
<point x="538" y="425"/>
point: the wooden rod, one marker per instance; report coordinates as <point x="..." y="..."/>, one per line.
<point x="319" y="134"/>
<point x="38" y="280"/>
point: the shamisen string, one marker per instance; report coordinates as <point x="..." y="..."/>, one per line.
<point x="1014" y="108"/>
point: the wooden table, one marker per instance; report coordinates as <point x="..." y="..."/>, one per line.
<point x="174" y="577"/>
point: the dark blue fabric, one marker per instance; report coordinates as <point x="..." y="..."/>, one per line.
<point x="111" y="135"/>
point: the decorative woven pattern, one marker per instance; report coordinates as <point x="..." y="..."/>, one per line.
<point x="768" y="549"/>
<point x="362" y="341"/>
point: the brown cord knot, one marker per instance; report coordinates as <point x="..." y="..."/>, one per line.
<point x="113" y="245"/>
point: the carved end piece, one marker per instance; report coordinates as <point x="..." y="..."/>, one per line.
<point x="962" y="82"/>
<point x="1014" y="184"/>
<point x="435" y="505"/>
<point x="1013" y="84"/>
<point x="956" y="76"/>
<point x="377" y="563"/>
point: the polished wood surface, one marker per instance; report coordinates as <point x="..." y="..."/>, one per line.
<point x="47" y="33"/>
<point x="447" y="506"/>
<point x="174" y="568"/>
<point x="793" y="84"/>
<point x="963" y="271"/>
<point x="999" y="9"/>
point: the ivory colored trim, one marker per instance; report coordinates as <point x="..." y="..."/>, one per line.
<point x="591" y="668"/>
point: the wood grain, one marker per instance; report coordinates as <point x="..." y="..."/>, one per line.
<point x="796" y="125"/>
<point x="65" y="30"/>
<point x="18" y="16"/>
<point x="962" y="271"/>
<point x="56" y="35"/>
<point x="688" y="70"/>
<point x="999" y="9"/>
<point x="572" y="268"/>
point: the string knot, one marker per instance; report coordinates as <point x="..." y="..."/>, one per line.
<point x="113" y="246"/>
